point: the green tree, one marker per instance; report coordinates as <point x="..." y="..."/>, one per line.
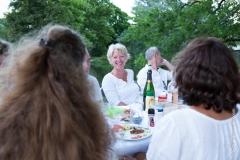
<point x="171" y="25"/>
<point x="104" y="23"/>
<point x="3" y="29"/>
<point x="99" y="21"/>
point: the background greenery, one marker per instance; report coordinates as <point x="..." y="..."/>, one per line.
<point x="167" y="24"/>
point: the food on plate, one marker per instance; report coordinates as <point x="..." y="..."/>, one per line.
<point x="136" y="137"/>
<point x="126" y="119"/>
<point x="126" y="127"/>
<point x="126" y="115"/>
<point x="131" y="132"/>
<point x="127" y="111"/>
<point x="120" y="113"/>
<point x="136" y="130"/>
<point x="117" y="127"/>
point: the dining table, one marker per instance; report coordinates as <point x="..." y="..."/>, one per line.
<point x="128" y="147"/>
<point x="131" y="147"/>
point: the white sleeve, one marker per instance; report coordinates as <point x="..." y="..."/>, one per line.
<point x="165" y="143"/>
<point x="97" y="90"/>
<point x="169" y="75"/>
<point x="110" y="90"/>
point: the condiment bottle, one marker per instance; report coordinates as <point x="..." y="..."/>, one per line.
<point x="148" y="92"/>
<point x="151" y="113"/>
<point x="158" y="115"/>
<point x="162" y="98"/>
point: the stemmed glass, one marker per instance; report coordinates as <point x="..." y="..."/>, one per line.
<point x="121" y="132"/>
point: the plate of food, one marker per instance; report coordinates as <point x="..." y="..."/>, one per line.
<point x="119" y="114"/>
<point x="131" y="131"/>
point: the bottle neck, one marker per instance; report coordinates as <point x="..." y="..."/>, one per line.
<point x="149" y="76"/>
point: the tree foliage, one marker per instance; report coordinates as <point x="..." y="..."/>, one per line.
<point x="3" y="28"/>
<point x="99" y="21"/>
<point x="171" y="24"/>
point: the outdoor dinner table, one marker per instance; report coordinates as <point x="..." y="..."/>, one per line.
<point x="131" y="147"/>
<point x="127" y="147"/>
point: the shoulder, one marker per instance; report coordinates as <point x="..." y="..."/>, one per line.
<point x="179" y="116"/>
<point x="144" y="69"/>
<point x="129" y="71"/>
<point x="92" y="78"/>
<point x="108" y="77"/>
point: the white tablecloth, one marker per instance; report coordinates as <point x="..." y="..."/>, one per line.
<point x="131" y="147"/>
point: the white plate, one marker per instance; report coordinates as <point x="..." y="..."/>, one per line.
<point x="133" y="137"/>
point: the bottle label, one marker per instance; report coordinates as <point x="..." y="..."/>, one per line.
<point x="151" y="121"/>
<point x="148" y="102"/>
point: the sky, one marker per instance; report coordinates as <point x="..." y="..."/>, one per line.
<point x="3" y="7"/>
<point x="124" y="5"/>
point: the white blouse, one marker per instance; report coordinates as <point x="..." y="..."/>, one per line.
<point x="96" y="95"/>
<point x="159" y="78"/>
<point x="187" y="134"/>
<point x="116" y="90"/>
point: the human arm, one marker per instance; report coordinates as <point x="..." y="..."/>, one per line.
<point x="167" y="64"/>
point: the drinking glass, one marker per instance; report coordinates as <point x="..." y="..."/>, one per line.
<point x="136" y="112"/>
<point x="121" y="132"/>
<point x="105" y="108"/>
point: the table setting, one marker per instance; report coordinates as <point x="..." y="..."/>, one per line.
<point x="131" y="125"/>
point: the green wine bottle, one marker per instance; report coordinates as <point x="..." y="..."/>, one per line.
<point x="148" y="92"/>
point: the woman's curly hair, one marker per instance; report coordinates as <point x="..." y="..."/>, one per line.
<point x="208" y="74"/>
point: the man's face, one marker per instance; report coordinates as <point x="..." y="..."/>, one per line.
<point x="86" y="63"/>
<point x="159" y="58"/>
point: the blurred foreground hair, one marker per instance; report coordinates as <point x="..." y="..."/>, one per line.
<point x="46" y="112"/>
<point x="207" y="73"/>
<point x="4" y="47"/>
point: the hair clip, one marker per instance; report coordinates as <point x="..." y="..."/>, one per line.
<point x="43" y="42"/>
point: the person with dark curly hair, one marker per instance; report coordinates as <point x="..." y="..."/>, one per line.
<point x="48" y="114"/>
<point x="208" y="81"/>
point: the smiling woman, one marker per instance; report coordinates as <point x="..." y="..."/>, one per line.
<point x="118" y="85"/>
